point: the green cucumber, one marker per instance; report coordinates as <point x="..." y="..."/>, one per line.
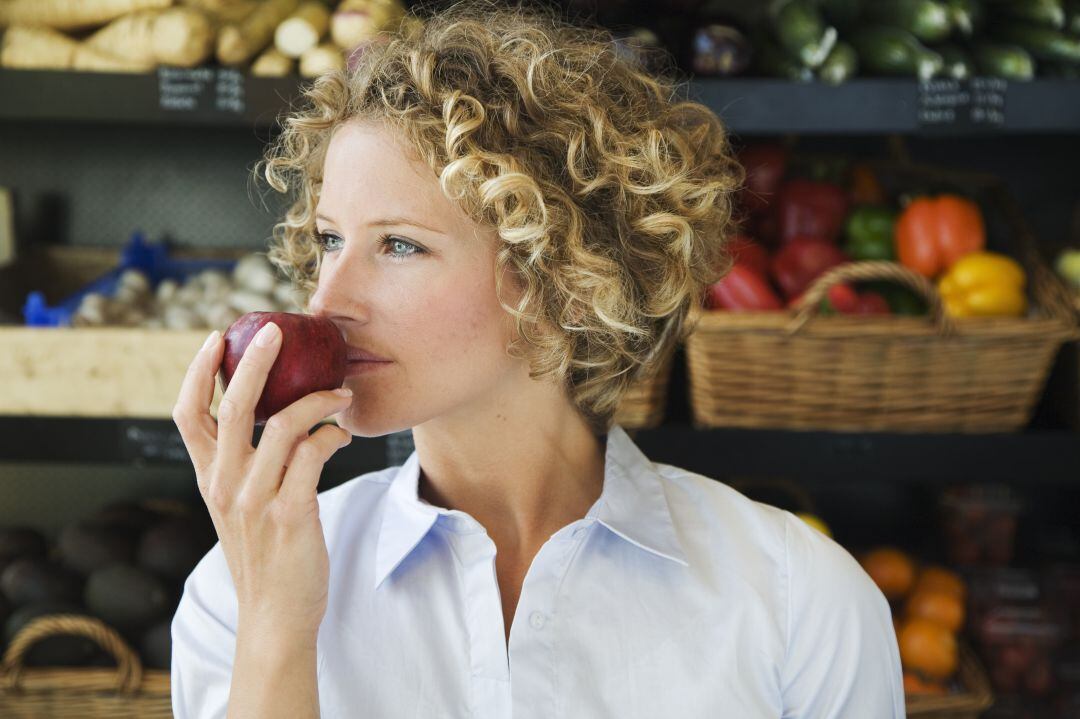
<point x="1011" y="62"/>
<point x="958" y="64"/>
<point x="1049" y="13"/>
<point x="966" y="15"/>
<point x="802" y="31"/>
<point x="841" y="64"/>
<point x="1042" y="42"/>
<point x="894" y="51"/>
<point x="928" y="20"/>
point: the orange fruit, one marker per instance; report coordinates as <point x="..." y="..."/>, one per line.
<point x="892" y="570"/>
<point x="914" y="684"/>
<point x="937" y="606"/>
<point x="928" y="648"/>
<point x="941" y="579"/>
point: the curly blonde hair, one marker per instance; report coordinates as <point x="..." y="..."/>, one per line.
<point x="612" y="196"/>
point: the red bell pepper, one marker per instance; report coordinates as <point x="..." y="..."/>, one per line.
<point x="796" y="265"/>
<point x="843" y="298"/>
<point x="808" y="208"/>
<point x="750" y="254"/>
<point x="871" y="303"/>
<point x="742" y="289"/>
<point x="765" y="166"/>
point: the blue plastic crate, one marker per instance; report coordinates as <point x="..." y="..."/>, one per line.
<point x="150" y="258"/>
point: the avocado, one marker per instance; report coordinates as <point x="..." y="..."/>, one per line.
<point x="126" y="597"/>
<point x="55" y="650"/>
<point x="130" y="517"/>
<point x="32" y="579"/>
<point x="18" y="542"/>
<point x="87" y="545"/>
<point x="156" y="646"/>
<point x="172" y="548"/>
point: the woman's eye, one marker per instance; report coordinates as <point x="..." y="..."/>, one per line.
<point x="399" y="249"/>
<point x="327" y="242"/>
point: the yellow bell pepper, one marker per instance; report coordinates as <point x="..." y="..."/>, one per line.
<point x="984" y="284"/>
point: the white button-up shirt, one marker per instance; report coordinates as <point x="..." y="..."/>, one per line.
<point x="675" y="597"/>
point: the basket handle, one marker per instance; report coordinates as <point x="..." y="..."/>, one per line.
<point x="810" y="304"/>
<point x="129" y="668"/>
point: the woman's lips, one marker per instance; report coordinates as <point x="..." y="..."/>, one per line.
<point x="355" y="354"/>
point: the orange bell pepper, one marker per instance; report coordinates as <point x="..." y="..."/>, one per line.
<point x="932" y="233"/>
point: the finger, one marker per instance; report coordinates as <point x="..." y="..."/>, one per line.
<point x="236" y="412"/>
<point x="191" y="414"/>
<point x="301" y="481"/>
<point x="285" y="431"/>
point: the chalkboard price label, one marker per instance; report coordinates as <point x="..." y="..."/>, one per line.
<point x="201" y="89"/>
<point x="151" y="443"/>
<point x="950" y="105"/>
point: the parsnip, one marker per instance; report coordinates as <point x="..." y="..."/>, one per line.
<point x="240" y="42"/>
<point x="272" y="64"/>
<point x="37" y="48"/>
<point x="303" y="29"/>
<point x="43" y="48"/>
<point x="321" y="59"/>
<point x="224" y="11"/>
<point x="180" y="36"/>
<point x="357" y="21"/>
<point x="74" y="14"/>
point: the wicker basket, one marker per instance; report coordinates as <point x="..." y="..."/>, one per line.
<point x="643" y="405"/>
<point x="80" y="692"/>
<point x="903" y="374"/>
<point x="968" y="703"/>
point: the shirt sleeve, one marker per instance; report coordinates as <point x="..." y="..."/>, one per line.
<point x="842" y="659"/>
<point x="204" y="640"/>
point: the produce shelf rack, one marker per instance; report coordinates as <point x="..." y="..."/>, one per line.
<point x="221" y="97"/>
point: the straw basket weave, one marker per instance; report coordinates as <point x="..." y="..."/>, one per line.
<point x="902" y="374"/>
<point x="968" y="703"/>
<point x="643" y="404"/>
<point x="80" y="692"/>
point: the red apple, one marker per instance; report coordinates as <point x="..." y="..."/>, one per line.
<point x="311" y="358"/>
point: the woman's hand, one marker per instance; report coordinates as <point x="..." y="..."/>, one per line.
<point x="263" y="501"/>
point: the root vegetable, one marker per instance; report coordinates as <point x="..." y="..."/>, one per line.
<point x="321" y="59"/>
<point x="244" y="302"/>
<point x="302" y="30"/>
<point x="357" y="21"/>
<point x="240" y="42"/>
<point x="74" y="14"/>
<point x="272" y="64"/>
<point x="37" y="48"/>
<point x="177" y="36"/>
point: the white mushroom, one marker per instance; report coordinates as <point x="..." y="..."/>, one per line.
<point x="244" y="302"/>
<point x="166" y="290"/>
<point x="255" y="273"/>
<point x="188" y="295"/>
<point x="219" y="317"/>
<point x="93" y="310"/>
<point x="178" y="317"/>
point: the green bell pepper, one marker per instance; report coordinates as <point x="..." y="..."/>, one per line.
<point x="869" y="233"/>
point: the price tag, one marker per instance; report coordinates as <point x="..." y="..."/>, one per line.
<point x="949" y="105"/>
<point x="201" y="89"/>
<point x="399" y="446"/>
<point x="150" y="443"/>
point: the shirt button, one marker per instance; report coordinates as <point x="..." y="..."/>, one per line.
<point x="537" y="620"/>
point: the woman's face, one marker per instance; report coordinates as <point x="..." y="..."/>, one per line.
<point x="407" y="277"/>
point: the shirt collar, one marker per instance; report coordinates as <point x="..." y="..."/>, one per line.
<point x="632" y="505"/>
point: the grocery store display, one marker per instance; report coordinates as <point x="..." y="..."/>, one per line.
<point x="123" y="564"/>
<point x="212" y="298"/>
<point x="312" y="357"/>
<point x="136" y="36"/>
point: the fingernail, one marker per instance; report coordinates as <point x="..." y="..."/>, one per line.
<point x="266" y="336"/>
<point x="343" y="392"/>
<point x="210" y="341"/>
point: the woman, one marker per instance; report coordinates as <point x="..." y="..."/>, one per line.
<point x="507" y="222"/>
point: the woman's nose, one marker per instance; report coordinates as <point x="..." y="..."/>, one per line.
<point x="336" y="291"/>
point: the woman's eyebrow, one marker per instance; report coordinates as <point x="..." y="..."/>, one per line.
<point x="388" y="221"/>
